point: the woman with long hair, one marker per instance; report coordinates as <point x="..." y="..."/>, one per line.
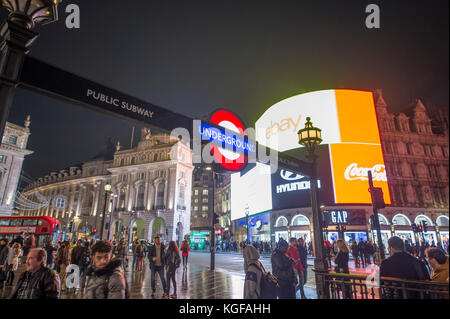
<point x="13" y="262"/>
<point x="173" y="261"/>
<point x="342" y="257"/>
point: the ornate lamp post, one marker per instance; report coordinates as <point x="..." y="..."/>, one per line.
<point x="310" y="137"/>
<point x="107" y="191"/>
<point x="17" y="37"/>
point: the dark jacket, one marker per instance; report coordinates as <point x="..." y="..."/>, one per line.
<point x="80" y="257"/>
<point x="50" y="249"/>
<point x="303" y="256"/>
<point x="44" y="284"/>
<point x="152" y="253"/>
<point x="172" y="259"/>
<point x="19" y="240"/>
<point x="3" y="254"/>
<point x="404" y="266"/>
<point x="282" y="266"/>
<point x="342" y="262"/>
<point x="106" y="283"/>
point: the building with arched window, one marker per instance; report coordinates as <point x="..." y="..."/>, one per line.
<point x="150" y="194"/>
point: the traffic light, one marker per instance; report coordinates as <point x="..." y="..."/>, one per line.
<point x="424" y="226"/>
<point x="344" y="228"/>
<point x="419" y="228"/>
<point x="414" y="228"/>
<point x="377" y="197"/>
<point x="94" y="230"/>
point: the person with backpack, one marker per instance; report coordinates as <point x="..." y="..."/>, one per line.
<point x="140" y="253"/>
<point x="106" y="278"/>
<point x="283" y="271"/>
<point x="185" y="248"/>
<point x="173" y="261"/>
<point x="80" y="257"/>
<point x="253" y="273"/>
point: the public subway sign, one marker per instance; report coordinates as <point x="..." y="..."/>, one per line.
<point x="53" y="81"/>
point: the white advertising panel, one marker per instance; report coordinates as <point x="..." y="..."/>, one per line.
<point x="251" y="191"/>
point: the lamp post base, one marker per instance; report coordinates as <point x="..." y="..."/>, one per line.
<point x="320" y="270"/>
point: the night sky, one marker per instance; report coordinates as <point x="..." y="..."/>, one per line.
<point x="195" y="56"/>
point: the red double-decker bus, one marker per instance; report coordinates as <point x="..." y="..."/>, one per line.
<point x="43" y="228"/>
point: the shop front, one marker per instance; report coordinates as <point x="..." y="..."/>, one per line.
<point x="406" y="235"/>
<point x="199" y="240"/>
<point x="444" y="239"/>
<point x="260" y="228"/>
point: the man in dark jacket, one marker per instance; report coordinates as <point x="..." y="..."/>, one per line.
<point x="402" y="265"/>
<point x="282" y="269"/>
<point x="80" y="257"/>
<point x="50" y="249"/>
<point x="362" y="252"/>
<point x="38" y="281"/>
<point x="106" y="279"/>
<point x="156" y="263"/>
<point x="19" y="239"/>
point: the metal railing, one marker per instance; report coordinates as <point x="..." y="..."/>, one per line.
<point x="351" y="286"/>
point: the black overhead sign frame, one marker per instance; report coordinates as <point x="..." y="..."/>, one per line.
<point x="55" y="82"/>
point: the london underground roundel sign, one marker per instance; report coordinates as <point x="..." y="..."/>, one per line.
<point x="229" y="159"/>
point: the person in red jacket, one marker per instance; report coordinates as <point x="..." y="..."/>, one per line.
<point x="298" y="268"/>
<point x="185" y="248"/>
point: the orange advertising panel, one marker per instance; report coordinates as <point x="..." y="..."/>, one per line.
<point x="350" y="164"/>
<point x="357" y="117"/>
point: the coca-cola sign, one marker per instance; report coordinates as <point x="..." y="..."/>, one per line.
<point x="353" y="172"/>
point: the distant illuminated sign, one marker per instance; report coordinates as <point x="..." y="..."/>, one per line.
<point x="350" y="131"/>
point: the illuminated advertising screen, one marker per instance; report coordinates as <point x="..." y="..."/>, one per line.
<point x="349" y="130"/>
<point x="251" y="191"/>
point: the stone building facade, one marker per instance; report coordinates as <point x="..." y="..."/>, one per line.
<point x="13" y="150"/>
<point x="150" y="192"/>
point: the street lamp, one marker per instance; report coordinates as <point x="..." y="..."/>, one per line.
<point x="17" y="37"/>
<point x="310" y="137"/>
<point x="107" y="191"/>
<point x="247" y="212"/>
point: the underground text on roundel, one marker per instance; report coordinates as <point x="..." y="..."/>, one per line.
<point x="231" y="308"/>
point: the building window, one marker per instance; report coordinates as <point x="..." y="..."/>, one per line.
<point x="12" y="140"/>
<point x="181" y="195"/>
<point x="196" y="208"/>
<point x="196" y="200"/>
<point x="205" y="208"/>
<point x="140" y="198"/>
<point x="122" y="198"/>
<point x="205" y="200"/>
<point x="160" y="196"/>
<point x="205" y="192"/>
<point x="3" y="158"/>
<point x="196" y="192"/>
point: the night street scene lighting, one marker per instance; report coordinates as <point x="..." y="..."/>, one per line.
<point x="223" y="150"/>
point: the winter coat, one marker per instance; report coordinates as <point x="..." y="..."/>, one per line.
<point x="80" y="256"/>
<point x="106" y="283"/>
<point x="294" y="254"/>
<point x="172" y="259"/>
<point x="139" y="250"/>
<point x="4" y="250"/>
<point x="44" y="284"/>
<point x="303" y="256"/>
<point x="441" y="273"/>
<point x="355" y="250"/>
<point x="282" y="266"/>
<point x="404" y="266"/>
<point x="152" y="253"/>
<point x="253" y="274"/>
<point x="63" y="256"/>
<point x="182" y="249"/>
<point x="342" y="262"/>
<point x="50" y="250"/>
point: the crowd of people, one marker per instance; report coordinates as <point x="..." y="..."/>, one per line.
<point x="421" y="262"/>
<point x="101" y="267"/>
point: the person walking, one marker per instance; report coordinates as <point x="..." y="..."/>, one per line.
<point x="63" y="260"/>
<point x="297" y="267"/>
<point x="80" y="257"/>
<point x="156" y="263"/>
<point x="283" y="271"/>
<point x="140" y="253"/>
<point x="50" y="250"/>
<point x="38" y="281"/>
<point x="355" y="253"/>
<point x="4" y="251"/>
<point x="136" y="243"/>
<point x="106" y="278"/>
<point x="362" y="252"/>
<point x="253" y="273"/>
<point x="342" y="257"/>
<point x="438" y="263"/>
<point x="185" y="248"/>
<point x="12" y="262"/>
<point x="173" y="261"/>
<point x="303" y="258"/>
